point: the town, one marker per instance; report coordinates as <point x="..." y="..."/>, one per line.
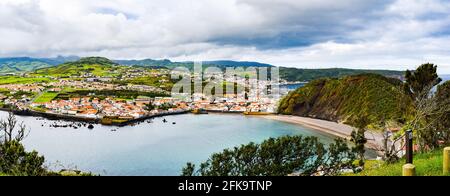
<point x="61" y="96"/>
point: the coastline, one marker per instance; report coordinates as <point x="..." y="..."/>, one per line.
<point x="374" y="139"/>
<point x="52" y="116"/>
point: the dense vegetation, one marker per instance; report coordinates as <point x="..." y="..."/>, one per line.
<point x="429" y="118"/>
<point x="349" y="98"/>
<point x="284" y="156"/>
<point x="14" y="160"/>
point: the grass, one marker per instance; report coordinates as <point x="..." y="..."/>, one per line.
<point x="46" y="97"/>
<point x="428" y="164"/>
<point x="21" y="80"/>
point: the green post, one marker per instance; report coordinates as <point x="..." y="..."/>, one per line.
<point x="409" y="170"/>
<point x="447" y="161"/>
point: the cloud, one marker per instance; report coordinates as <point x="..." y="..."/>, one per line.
<point x="388" y="34"/>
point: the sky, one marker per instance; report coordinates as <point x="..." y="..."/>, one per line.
<point x="364" y="34"/>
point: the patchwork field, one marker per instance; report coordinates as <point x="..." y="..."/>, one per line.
<point x="46" y="97"/>
<point x="21" y="80"/>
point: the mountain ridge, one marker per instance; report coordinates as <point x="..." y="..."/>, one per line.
<point x="17" y="65"/>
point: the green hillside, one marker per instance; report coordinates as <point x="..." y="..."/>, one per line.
<point x="21" y="80"/>
<point x="294" y="74"/>
<point x="26" y="64"/>
<point x="90" y="66"/>
<point x="347" y="99"/>
<point x="9" y="67"/>
<point x="16" y="65"/>
<point x="289" y="74"/>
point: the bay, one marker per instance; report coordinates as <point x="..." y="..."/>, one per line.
<point x="151" y="149"/>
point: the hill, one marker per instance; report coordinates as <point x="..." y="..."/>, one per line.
<point x="189" y="64"/>
<point x="90" y="66"/>
<point x="295" y="74"/>
<point x="27" y="64"/>
<point x="348" y="98"/>
<point x="289" y="74"/>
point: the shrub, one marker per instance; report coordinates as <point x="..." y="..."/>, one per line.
<point x="288" y="155"/>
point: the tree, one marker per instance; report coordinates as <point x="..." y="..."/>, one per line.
<point x="8" y="131"/>
<point x="443" y="122"/>
<point x="288" y="155"/>
<point x="358" y="137"/>
<point x="428" y="108"/>
<point x="14" y="160"/>
<point x="420" y="80"/>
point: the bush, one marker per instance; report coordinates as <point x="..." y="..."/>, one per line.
<point x="14" y="160"/>
<point x="288" y="155"/>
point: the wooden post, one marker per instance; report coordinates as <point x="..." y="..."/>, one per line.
<point x="409" y="170"/>
<point x="447" y="161"/>
<point x="409" y="147"/>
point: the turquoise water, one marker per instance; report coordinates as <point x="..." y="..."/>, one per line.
<point x="151" y="149"/>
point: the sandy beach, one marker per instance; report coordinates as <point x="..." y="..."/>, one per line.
<point x="375" y="139"/>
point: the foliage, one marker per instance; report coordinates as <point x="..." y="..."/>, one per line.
<point x="347" y="99"/>
<point x="430" y="109"/>
<point x="443" y="122"/>
<point x="422" y="79"/>
<point x="287" y="155"/>
<point x="358" y="137"/>
<point x="14" y="160"/>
